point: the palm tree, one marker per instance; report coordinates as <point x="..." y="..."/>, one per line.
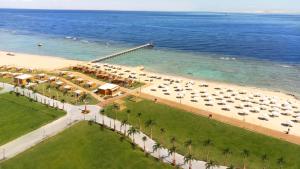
<point x="173" y="141"/>
<point x="63" y="103"/>
<point x="207" y="143"/>
<point x="15" y="88"/>
<point x="52" y="97"/>
<point x="245" y="154"/>
<point x="157" y="147"/>
<point x="188" y="159"/>
<point x="132" y="131"/>
<point x="150" y="123"/>
<point x="23" y="87"/>
<point x="210" y="164"/>
<point x="188" y="144"/>
<point x="162" y="131"/>
<point x="280" y="162"/>
<point x="139" y="117"/>
<point x="102" y="112"/>
<point x="124" y="123"/>
<point x="144" y="140"/>
<point x="48" y="87"/>
<point x="34" y="91"/>
<point x="83" y="98"/>
<point x="264" y="159"/>
<point x="116" y="112"/>
<point x="172" y="151"/>
<point x="226" y="152"/>
<point x="128" y="113"/>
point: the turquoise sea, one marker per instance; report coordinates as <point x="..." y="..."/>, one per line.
<point x="245" y="49"/>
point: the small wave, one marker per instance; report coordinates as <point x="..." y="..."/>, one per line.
<point x="227" y="58"/>
<point x="85" y="41"/>
<point x="68" y="37"/>
<point x="285" y="66"/>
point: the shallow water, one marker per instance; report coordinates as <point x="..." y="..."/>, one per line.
<point x="255" y="50"/>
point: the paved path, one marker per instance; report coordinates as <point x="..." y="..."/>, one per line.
<point x="74" y="115"/>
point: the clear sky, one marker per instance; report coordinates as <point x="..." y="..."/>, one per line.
<point x="280" y="6"/>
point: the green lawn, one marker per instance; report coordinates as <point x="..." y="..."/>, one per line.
<point x="19" y="116"/>
<point x="84" y="147"/>
<point x="68" y="97"/>
<point x="6" y="80"/>
<point x="184" y="125"/>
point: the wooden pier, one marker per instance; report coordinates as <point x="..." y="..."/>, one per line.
<point x="148" y="45"/>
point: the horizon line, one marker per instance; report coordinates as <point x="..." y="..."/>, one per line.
<point x="169" y="11"/>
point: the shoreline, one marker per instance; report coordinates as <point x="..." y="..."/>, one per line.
<point x="280" y="91"/>
<point x="226" y="83"/>
<point x="193" y="94"/>
<point x="57" y="62"/>
<point x="42" y="62"/>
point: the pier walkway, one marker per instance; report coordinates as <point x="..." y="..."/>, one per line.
<point x="148" y="45"/>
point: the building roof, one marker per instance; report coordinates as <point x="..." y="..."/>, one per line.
<point x="108" y="86"/>
<point x="24" y="77"/>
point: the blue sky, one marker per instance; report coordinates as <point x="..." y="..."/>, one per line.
<point x="280" y="6"/>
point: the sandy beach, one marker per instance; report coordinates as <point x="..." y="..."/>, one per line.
<point x="34" y="61"/>
<point x="261" y="107"/>
<point x="273" y="110"/>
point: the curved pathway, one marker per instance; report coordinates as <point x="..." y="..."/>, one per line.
<point x="74" y="115"/>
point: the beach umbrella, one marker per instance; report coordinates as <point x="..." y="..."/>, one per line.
<point x="226" y="108"/>
<point x="255" y="110"/>
<point x="208" y="99"/>
<point x="275" y="113"/>
<point x="263" y="117"/>
<point x="210" y="103"/>
<point x="243" y="113"/>
<point x="263" y="107"/>
<point x="288" y="123"/>
<point x="287" y="113"/>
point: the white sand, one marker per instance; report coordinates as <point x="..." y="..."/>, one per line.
<point x="35" y="61"/>
<point x="274" y="123"/>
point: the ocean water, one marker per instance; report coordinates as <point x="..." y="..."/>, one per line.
<point x="245" y="49"/>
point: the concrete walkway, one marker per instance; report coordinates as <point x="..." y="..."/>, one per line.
<point x="74" y="115"/>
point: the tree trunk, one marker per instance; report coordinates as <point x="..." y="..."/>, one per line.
<point x="140" y="126"/>
<point x="174" y="160"/>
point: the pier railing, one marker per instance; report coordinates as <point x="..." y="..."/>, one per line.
<point x="148" y="45"/>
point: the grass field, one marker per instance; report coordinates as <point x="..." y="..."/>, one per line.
<point x="184" y="125"/>
<point x="6" y="80"/>
<point x="19" y="116"/>
<point x="84" y="147"/>
<point x="68" y="97"/>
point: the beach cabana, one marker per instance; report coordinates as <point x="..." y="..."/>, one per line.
<point x="41" y="76"/>
<point x="59" y="83"/>
<point x="52" y="78"/>
<point x="71" y="76"/>
<point x="108" y="89"/>
<point x="67" y="87"/>
<point x="23" y="79"/>
<point x="79" y="80"/>
<point x="78" y="93"/>
<point x="6" y="74"/>
<point x="90" y="84"/>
